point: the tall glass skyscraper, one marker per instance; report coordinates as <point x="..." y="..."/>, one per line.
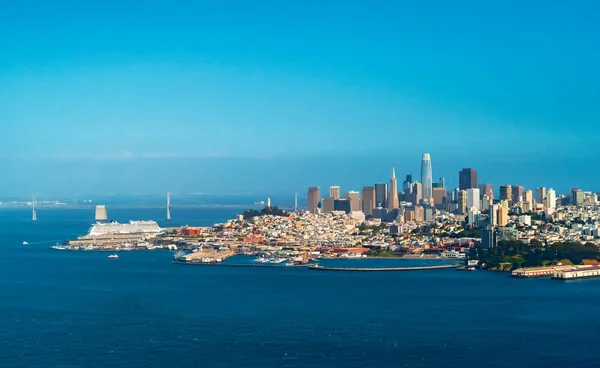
<point x="426" y="177"/>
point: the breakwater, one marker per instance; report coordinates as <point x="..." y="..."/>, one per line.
<point x="419" y="268"/>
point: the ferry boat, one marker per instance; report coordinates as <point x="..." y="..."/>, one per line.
<point x="25" y="243"/>
<point x="113" y="256"/>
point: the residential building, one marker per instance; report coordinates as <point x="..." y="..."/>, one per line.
<point x="502" y="214"/>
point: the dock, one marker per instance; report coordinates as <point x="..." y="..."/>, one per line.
<point x="419" y="268"/>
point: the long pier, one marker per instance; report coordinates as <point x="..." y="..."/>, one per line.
<point x="419" y="268"/>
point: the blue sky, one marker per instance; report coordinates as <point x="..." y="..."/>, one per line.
<point x="271" y="95"/>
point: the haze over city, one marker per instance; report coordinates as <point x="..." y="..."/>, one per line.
<point x="264" y="97"/>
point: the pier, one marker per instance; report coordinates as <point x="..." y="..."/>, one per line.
<point x="420" y="268"/>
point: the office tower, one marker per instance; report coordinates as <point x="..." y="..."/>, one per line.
<point x="416" y="193"/>
<point x="486" y="189"/>
<point x="577" y="196"/>
<point x="314" y="197"/>
<point x="528" y="197"/>
<point x="368" y="200"/>
<point x="354" y="198"/>
<point x="488" y="237"/>
<point x="467" y="179"/>
<point x="442" y="182"/>
<point x="407" y="183"/>
<point x="393" y="195"/>
<point x="486" y="202"/>
<point x="328" y="205"/>
<point x="439" y="197"/>
<point x="334" y="192"/>
<point x="493" y="221"/>
<point x="454" y="196"/>
<point x="540" y="195"/>
<point x="381" y="195"/>
<point x="473" y="216"/>
<point x="101" y="214"/>
<point x="419" y="213"/>
<point x="342" y="204"/>
<point x="502" y="216"/>
<point x="473" y="201"/>
<point x="506" y="192"/>
<point x="426" y="177"/>
<point x="462" y="202"/>
<point x="517" y="193"/>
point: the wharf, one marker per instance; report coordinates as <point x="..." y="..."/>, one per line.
<point x="420" y="268"/>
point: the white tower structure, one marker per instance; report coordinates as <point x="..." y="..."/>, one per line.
<point x="33" y="210"/>
<point x="168" y="206"/>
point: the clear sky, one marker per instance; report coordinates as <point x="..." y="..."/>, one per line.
<point x="238" y="96"/>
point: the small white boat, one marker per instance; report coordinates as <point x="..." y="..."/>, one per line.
<point x="113" y="256"/>
<point x="25" y="243"/>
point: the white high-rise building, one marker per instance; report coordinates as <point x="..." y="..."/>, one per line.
<point x="473" y="201"/>
<point x="550" y="199"/>
<point x="426" y="177"/>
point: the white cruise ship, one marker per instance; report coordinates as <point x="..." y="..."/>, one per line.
<point x="452" y="254"/>
<point x="132" y="227"/>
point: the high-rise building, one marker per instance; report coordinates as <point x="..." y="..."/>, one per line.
<point x="354" y="198"/>
<point x="442" y="182"/>
<point x="407" y="183"/>
<point x="467" y="179"/>
<point x="493" y="221"/>
<point x="473" y="201"/>
<point x="393" y="195"/>
<point x="342" y="204"/>
<point x="314" y="197"/>
<point x="334" y="192"/>
<point x="416" y="193"/>
<point x="550" y="199"/>
<point x="381" y="195"/>
<point x="368" y="200"/>
<point x="426" y="177"/>
<point x="577" y="196"/>
<point x="486" y="202"/>
<point x="540" y="195"/>
<point x="517" y="193"/>
<point x="506" y="192"/>
<point x="486" y="189"/>
<point x="462" y="202"/>
<point x="502" y="216"/>
<point x="528" y="197"/>
<point x="439" y="197"/>
<point x="488" y="237"/>
<point x="328" y="205"/>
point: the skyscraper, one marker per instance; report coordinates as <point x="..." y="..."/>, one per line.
<point x="314" y="197"/>
<point x="426" y="177"/>
<point x="502" y="216"/>
<point x="354" y="198"/>
<point x="393" y="196"/>
<point x="416" y="193"/>
<point x="518" y="192"/>
<point x="462" y="202"/>
<point x="505" y="192"/>
<point x="368" y="200"/>
<point x="540" y="195"/>
<point x="334" y="192"/>
<point x="528" y="197"/>
<point x="467" y="179"/>
<point x="381" y="195"/>
<point x="328" y="205"/>
<point x="577" y="196"/>
<point x="439" y="197"/>
<point x="407" y="183"/>
<point x="473" y="201"/>
<point x="550" y="201"/>
<point x="486" y="189"/>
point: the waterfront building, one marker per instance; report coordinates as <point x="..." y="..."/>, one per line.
<point x="467" y="179"/>
<point x="506" y="192"/>
<point x="381" y="195"/>
<point x="462" y="202"/>
<point x="426" y="177"/>
<point x="577" y="196"/>
<point x="488" y="237"/>
<point x="354" y="198"/>
<point x="368" y="200"/>
<point x="473" y="201"/>
<point x="502" y="215"/>
<point x="334" y="192"/>
<point x="393" y="195"/>
<point x="517" y="193"/>
<point x="540" y="195"/>
<point x="328" y="205"/>
<point x="314" y="197"/>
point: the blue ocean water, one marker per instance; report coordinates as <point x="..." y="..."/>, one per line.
<point x="80" y="309"/>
